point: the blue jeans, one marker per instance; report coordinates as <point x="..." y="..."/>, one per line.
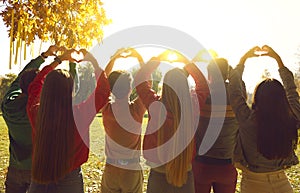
<point x="72" y="182"/>
<point x="17" y="181"/>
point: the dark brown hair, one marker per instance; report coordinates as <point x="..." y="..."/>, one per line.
<point x="277" y="127"/>
<point x="218" y="68"/>
<point x="120" y="83"/>
<point x="55" y="127"/>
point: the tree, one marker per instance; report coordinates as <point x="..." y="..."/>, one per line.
<point x="87" y="82"/>
<point x="5" y="84"/>
<point x="67" y="23"/>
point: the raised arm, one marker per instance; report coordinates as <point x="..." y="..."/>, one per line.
<point x="237" y="97"/>
<point x="134" y="53"/>
<point x="35" y="87"/>
<point x="113" y="58"/>
<point x="253" y="52"/>
<point x="288" y="81"/>
<point x="33" y="64"/>
<point x="142" y="83"/>
<point x="86" y="110"/>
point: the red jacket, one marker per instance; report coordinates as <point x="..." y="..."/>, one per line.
<point x="149" y="96"/>
<point x="83" y="113"/>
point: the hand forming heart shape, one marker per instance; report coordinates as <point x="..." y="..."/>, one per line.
<point x="261" y="51"/>
<point x="77" y="56"/>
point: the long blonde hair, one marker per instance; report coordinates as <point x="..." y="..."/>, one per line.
<point x="55" y="127"/>
<point x="176" y="98"/>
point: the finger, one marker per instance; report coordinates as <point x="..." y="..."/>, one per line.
<point x="256" y="48"/>
<point x="62" y="49"/>
<point x="83" y="51"/>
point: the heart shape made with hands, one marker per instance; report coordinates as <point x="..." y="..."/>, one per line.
<point x="77" y="56"/>
<point x="126" y="53"/>
<point x="261" y="51"/>
<point x="172" y="57"/>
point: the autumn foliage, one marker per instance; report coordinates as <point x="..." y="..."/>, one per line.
<point x="70" y="23"/>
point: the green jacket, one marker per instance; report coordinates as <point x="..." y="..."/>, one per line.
<point x="14" y="113"/>
<point x="19" y="130"/>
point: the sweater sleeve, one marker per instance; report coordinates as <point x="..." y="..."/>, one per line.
<point x="201" y="89"/>
<point x="143" y="87"/>
<point x="291" y="90"/>
<point x="34" y="92"/>
<point x="85" y="112"/>
<point x="237" y="96"/>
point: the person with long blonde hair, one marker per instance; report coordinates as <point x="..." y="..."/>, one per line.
<point x="60" y="129"/>
<point x="168" y="144"/>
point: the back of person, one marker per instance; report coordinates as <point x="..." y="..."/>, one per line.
<point x="268" y="133"/>
<point x="13" y="107"/>
<point x="122" y="120"/>
<point x="223" y="147"/>
<point x="215" y="168"/>
<point x="168" y="143"/>
<point x="61" y="129"/>
<point x="120" y="131"/>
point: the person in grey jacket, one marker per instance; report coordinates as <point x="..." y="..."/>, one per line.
<point x="214" y="168"/>
<point x="268" y="130"/>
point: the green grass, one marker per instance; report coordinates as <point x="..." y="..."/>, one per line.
<point x="93" y="169"/>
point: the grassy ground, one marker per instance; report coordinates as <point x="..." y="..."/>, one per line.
<point x="93" y="169"/>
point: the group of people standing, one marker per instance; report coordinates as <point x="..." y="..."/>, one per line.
<point x="49" y="135"/>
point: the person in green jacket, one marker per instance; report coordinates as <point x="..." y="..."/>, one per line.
<point x="19" y="130"/>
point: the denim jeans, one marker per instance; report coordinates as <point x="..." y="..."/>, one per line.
<point x="157" y="183"/>
<point x="71" y="183"/>
<point x="17" y="181"/>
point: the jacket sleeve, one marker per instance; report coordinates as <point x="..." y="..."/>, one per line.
<point x="34" y="91"/>
<point x="143" y="85"/>
<point x="237" y="96"/>
<point x="201" y="89"/>
<point x="291" y="90"/>
<point x="15" y="86"/>
<point x="85" y="112"/>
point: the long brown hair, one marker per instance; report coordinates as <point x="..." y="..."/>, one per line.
<point x="176" y="98"/>
<point x="277" y="127"/>
<point x="55" y="127"/>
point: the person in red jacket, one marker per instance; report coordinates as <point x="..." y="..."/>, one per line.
<point x="168" y="144"/>
<point x="60" y="130"/>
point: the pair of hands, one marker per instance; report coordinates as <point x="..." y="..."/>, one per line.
<point x="261" y="51"/>
<point x="125" y="53"/>
<point x="167" y="55"/>
<point x="71" y="55"/>
<point x="171" y="56"/>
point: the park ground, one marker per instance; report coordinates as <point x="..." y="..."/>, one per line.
<point x="93" y="169"/>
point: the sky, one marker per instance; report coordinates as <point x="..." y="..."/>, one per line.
<point x="231" y="27"/>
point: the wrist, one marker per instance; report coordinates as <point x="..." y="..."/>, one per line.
<point x="58" y="59"/>
<point x="44" y="55"/>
